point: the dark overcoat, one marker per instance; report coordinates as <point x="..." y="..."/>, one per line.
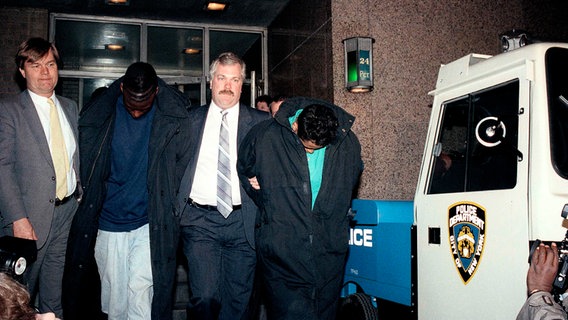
<point x="300" y="248"/>
<point x="168" y="157"/>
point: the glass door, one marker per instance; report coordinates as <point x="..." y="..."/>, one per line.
<point x="97" y="50"/>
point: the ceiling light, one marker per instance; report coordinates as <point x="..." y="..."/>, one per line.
<point x="114" y="47"/>
<point x="191" y="51"/>
<point x="215" y="6"/>
<point x="117" y="2"/>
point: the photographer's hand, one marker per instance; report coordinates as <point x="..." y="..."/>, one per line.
<point x="543" y="269"/>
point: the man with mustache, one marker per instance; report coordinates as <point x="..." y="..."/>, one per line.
<point x="217" y="216"/>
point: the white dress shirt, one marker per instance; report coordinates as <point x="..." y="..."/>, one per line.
<point x="204" y="188"/>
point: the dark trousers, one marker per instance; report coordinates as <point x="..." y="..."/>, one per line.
<point x="221" y="265"/>
<point x="290" y="295"/>
<point x="45" y="277"/>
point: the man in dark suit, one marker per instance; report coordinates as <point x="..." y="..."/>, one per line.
<point x="217" y="216"/>
<point x="39" y="169"/>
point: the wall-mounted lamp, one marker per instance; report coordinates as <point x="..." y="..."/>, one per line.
<point x="117" y="2"/>
<point x="359" y="64"/>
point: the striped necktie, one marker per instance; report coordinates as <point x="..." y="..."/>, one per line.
<point x="58" y="152"/>
<point x="224" y="193"/>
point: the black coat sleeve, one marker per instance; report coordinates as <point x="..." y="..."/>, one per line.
<point x="246" y="164"/>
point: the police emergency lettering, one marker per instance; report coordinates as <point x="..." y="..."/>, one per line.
<point x="361" y="237"/>
<point x="466" y="224"/>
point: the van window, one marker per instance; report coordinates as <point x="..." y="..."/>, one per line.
<point x="477" y="142"/>
<point x="556" y="60"/>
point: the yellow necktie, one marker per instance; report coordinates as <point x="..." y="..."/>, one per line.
<point x="58" y="152"/>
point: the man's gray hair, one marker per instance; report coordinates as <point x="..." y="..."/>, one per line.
<point x="227" y="58"/>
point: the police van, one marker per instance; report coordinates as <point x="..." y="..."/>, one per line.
<point x="493" y="179"/>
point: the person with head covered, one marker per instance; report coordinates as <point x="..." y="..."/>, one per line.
<point x="301" y="169"/>
<point x="134" y="142"/>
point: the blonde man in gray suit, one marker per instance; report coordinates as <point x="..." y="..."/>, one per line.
<point x="39" y="163"/>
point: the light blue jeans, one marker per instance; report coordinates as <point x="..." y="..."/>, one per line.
<point x="123" y="260"/>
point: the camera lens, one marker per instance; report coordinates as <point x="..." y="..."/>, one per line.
<point x="20" y="266"/>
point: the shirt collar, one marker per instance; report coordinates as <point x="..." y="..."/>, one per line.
<point x="229" y="110"/>
<point x="36" y="98"/>
<point x="232" y="112"/>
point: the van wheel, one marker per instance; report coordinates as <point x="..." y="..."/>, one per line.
<point x="357" y="306"/>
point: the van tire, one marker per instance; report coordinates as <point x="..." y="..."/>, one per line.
<point x="357" y="306"/>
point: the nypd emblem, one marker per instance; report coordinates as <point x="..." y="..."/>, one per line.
<point x="466" y="223"/>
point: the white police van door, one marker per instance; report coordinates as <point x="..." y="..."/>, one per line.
<point x="471" y="199"/>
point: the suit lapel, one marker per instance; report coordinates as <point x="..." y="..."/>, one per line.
<point x="32" y="119"/>
<point x="197" y="126"/>
<point x="245" y="123"/>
